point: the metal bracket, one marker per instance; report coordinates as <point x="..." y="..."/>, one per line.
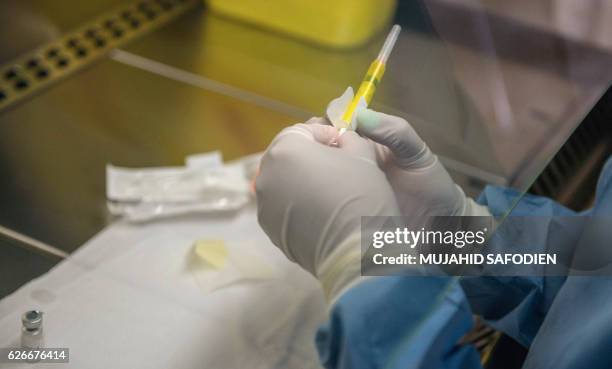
<point x="23" y="77"/>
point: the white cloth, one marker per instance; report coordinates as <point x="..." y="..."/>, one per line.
<point x="132" y="298"/>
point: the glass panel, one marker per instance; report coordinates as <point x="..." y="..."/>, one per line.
<point x="54" y="148"/>
<point x="494" y="94"/>
<point x="493" y="91"/>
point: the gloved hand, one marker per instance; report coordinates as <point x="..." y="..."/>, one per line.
<point x="421" y="184"/>
<point x="311" y="197"/>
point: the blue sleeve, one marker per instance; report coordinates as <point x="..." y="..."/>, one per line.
<point x="517" y="305"/>
<point x="399" y="322"/>
<point x="416" y="322"/>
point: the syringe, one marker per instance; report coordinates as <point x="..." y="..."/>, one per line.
<point x="371" y="79"/>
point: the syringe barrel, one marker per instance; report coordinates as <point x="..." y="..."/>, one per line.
<point x="366" y="89"/>
<point x="373" y="76"/>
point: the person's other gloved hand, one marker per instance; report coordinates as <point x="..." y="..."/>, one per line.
<point x="421" y="184"/>
<point x="311" y="197"/>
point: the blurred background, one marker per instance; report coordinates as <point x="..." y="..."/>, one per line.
<point x="506" y="93"/>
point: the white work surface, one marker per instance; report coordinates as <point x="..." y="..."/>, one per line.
<point x="136" y="297"/>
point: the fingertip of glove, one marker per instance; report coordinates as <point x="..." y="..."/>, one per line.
<point x="324" y="134"/>
<point x="367" y="119"/>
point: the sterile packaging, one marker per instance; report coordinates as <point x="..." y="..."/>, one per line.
<point x="216" y="265"/>
<point x="204" y="184"/>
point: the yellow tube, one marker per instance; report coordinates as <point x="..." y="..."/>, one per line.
<point x="366" y="89"/>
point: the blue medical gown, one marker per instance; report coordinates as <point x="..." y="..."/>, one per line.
<point x="416" y="322"/>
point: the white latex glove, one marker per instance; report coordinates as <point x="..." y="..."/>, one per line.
<point x="311" y="197"/>
<point x="421" y="184"/>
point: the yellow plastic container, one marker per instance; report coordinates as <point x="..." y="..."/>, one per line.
<point x="336" y="23"/>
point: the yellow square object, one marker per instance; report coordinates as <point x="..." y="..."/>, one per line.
<point x="212" y="252"/>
